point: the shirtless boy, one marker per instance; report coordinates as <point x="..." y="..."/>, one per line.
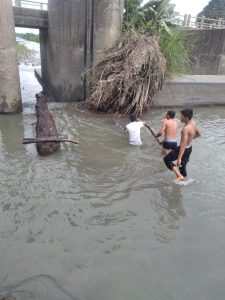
<point x="169" y="129"/>
<point x="183" y="152"/>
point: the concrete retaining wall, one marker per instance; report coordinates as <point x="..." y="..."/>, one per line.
<point x="208" y="55"/>
<point x="192" y="90"/>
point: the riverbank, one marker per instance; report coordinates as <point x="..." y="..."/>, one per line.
<point x="28" y="52"/>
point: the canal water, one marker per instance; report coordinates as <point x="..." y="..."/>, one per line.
<point x="103" y="220"/>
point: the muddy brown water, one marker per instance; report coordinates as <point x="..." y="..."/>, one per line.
<point x="103" y="220"/>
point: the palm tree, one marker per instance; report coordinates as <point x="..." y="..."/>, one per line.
<point x="154" y="16"/>
<point x="133" y="16"/>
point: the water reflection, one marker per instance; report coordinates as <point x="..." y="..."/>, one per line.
<point x="170" y="209"/>
<point x="11" y="130"/>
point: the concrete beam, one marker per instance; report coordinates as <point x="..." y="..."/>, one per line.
<point x="10" y="95"/>
<point x="30" y="18"/>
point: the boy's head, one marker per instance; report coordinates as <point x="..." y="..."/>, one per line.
<point x="187" y="113"/>
<point x="133" y="117"/>
<point x="170" y="114"/>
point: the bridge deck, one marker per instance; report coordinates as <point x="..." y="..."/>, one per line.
<point x="33" y="4"/>
<point x="30" y="18"/>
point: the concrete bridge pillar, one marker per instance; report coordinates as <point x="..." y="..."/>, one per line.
<point x="62" y="50"/>
<point x="79" y="32"/>
<point x="107" y="25"/>
<point x="10" y="95"/>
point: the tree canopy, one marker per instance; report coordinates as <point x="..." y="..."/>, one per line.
<point x="29" y="36"/>
<point x="214" y="10"/>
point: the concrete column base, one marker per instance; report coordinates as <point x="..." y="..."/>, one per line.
<point x="10" y="94"/>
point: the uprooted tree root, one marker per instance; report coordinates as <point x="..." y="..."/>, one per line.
<point x="127" y="79"/>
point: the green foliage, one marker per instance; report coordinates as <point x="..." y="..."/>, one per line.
<point x="29" y="37"/>
<point x="158" y="15"/>
<point x="155" y="18"/>
<point x="176" y="47"/>
<point x="152" y="17"/>
<point x="133" y="16"/>
<point x="23" y="52"/>
<point x="214" y="10"/>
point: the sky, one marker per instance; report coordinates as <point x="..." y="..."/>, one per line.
<point x="192" y="7"/>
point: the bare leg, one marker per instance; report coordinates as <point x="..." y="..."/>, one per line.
<point x="179" y="177"/>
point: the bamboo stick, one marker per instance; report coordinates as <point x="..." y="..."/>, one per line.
<point x="47" y="140"/>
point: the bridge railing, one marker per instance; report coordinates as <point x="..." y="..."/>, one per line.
<point x="198" y="22"/>
<point x="42" y="5"/>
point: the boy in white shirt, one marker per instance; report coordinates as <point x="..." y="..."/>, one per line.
<point x="134" y="130"/>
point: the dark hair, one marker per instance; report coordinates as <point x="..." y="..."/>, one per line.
<point x="187" y="113"/>
<point x="133" y="117"/>
<point x="171" y="114"/>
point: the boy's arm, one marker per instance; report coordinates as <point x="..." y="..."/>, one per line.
<point x="183" y="144"/>
<point x="162" y="129"/>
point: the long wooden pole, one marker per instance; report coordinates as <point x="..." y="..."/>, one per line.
<point x="151" y="130"/>
<point x="48" y="139"/>
<point x="153" y="133"/>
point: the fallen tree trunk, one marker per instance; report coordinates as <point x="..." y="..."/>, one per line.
<point x="47" y="138"/>
<point x="45" y="127"/>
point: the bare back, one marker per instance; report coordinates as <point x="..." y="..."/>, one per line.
<point x="171" y="129"/>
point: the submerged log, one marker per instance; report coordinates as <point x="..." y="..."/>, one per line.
<point x="45" y="127"/>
